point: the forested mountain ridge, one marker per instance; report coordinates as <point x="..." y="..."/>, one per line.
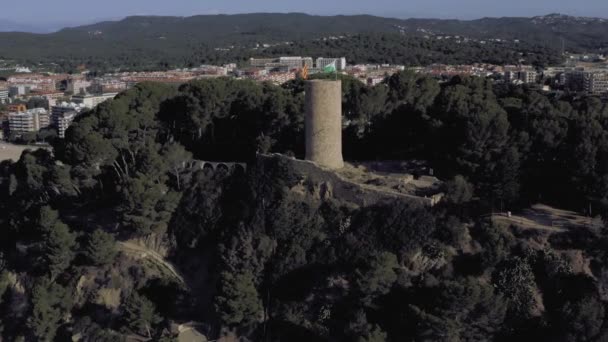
<point x="180" y="41"/>
<point x="292" y="26"/>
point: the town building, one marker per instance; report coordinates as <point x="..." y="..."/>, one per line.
<point x="322" y="62"/>
<point x="374" y="81"/>
<point x="50" y="97"/>
<point x="29" y="121"/>
<point x="521" y="76"/>
<point x="3" y="95"/>
<point x="230" y="67"/>
<point x="63" y="115"/>
<point x="261" y="62"/>
<point x="573" y="79"/>
<point x="63" y="121"/>
<point x="77" y="86"/>
<point x="595" y="83"/>
<point x="17" y="90"/>
<point x="107" y="85"/>
<point x="276" y="77"/>
<point x="251" y="72"/>
<point x="296" y="62"/>
<point x="282" y="64"/>
<point x="33" y="81"/>
<point x="91" y="101"/>
<point x="16" y="107"/>
<point x="209" y="70"/>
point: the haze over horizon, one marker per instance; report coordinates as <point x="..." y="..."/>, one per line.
<point x="43" y="16"/>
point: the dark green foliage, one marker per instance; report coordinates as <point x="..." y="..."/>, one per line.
<point x="379" y="276"/>
<point x="58" y="242"/>
<point x="466" y="310"/>
<point x="91" y="331"/>
<point x="458" y="190"/>
<point x="50" y="302"/>
<point x="515" y="281"/>
<point x="398" y="227"/>
<point x="263" y="253"/>
<point x="582" y="319"/>
<point x="496" y="241"/>
<point x="238" y="303"/>
<point x="140" y="315"/>
<point x="101" y="248"/>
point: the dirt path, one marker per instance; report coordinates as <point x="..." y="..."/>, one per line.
<point x="143" y="253"/>
<point x="13" y="152"/>
<point x="544" y="217"/>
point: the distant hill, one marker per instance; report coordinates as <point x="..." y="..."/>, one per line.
<point x="171" y="38"/>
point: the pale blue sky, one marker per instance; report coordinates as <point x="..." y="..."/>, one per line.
<point x="36" y="12"/>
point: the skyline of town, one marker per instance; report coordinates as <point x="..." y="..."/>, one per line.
<point x="65" y="96"/>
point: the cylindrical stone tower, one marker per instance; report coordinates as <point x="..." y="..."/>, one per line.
<point x="324" y="123"/>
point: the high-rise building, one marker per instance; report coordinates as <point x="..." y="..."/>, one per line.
<point x="62" y="121"/>
<point x="573" y="79"/>
<point x="63" y="114"/>
<point x="261" y="62"/>
<point x="595" y="83"/>
<point x="296" y="62"/>
<point x="20" y="89"/>
<point x="322" y="62"/>
<point x="77" y="86"/>
<point x="282" y="64"/>
<point x="521" y="75"/>
<point x="3" y="95"/>
<point x="29" y="121"/>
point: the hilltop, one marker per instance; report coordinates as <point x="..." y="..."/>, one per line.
<point x="128" y="232"/>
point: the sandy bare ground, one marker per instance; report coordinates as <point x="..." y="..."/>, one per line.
<point x="143" y="252"/>
<point x="544" y="217"/>
<point x="13" y="152"/>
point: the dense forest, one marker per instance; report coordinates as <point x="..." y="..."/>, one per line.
<point x="257" y="254"/>
<point x="380" y="48"/>
<point x="143" y="43"/>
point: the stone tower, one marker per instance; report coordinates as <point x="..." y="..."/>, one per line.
<point x="324" y="123"/>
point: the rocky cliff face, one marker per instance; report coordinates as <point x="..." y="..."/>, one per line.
<point x="348" y="186"/>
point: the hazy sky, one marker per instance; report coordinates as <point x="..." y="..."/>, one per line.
<point x="78" y="11"/>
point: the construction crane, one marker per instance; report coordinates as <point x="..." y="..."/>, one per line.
<point x="303" y="73"/>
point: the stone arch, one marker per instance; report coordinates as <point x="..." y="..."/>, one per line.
<point x="208" y="168"/>
<point x="239" y="168"/>
<point x="223" y="167"/>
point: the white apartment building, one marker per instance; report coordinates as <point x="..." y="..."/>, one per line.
<point x="521" y="75"/>
<point x="296" y="62"/>
<point x="63" y="114"/>
<point x="595" y="83"/>
<point x="20" y="89"/>
<point x="107" y="85"/>
<point x="282" y="64"/>
<point x="91" y="101"/>
<point x="63" y="121"/>
<point x="322" y="62"/>
<point x="3" y="95"/>
<point x="29" y="121"/>
<point x="77" y="86"/>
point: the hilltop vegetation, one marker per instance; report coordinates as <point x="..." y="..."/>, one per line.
<point x="136" y="43"/>
<point x="266" y="257"/>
